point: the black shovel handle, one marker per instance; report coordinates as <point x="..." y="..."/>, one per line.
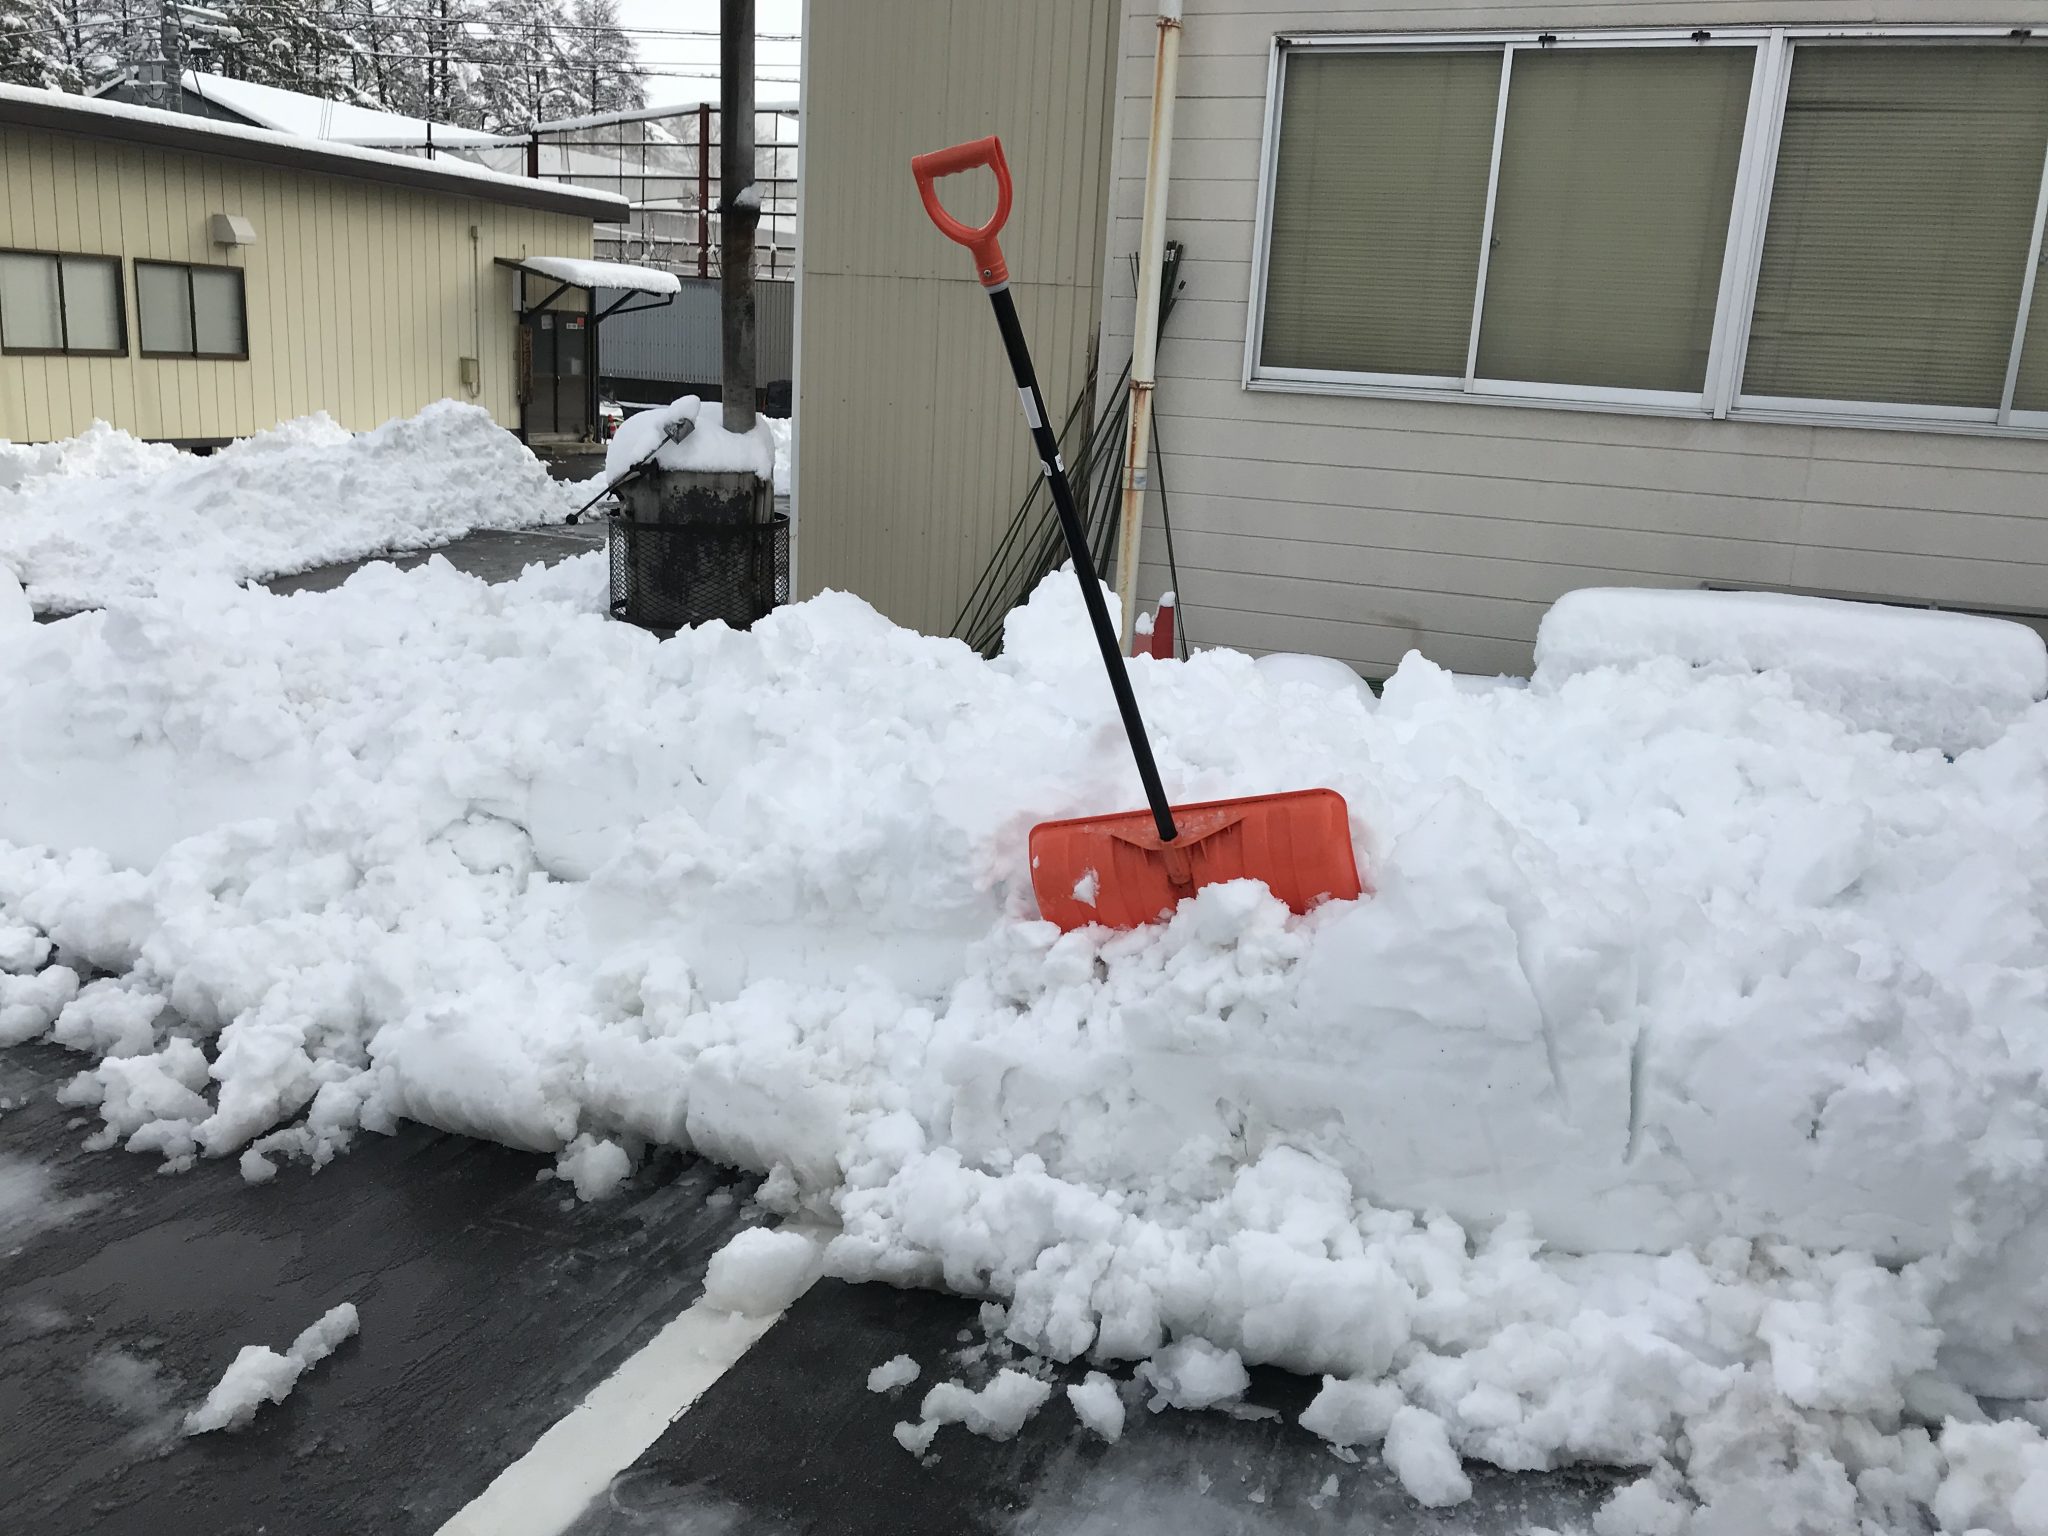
<point x="1084" y="564"/>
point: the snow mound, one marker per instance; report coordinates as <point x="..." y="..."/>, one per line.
<point x="102" y="518"/>
<point x="260" y="1375"/>
<point x="1675" y="1104"/>
<point x="708" y="446"/>
<point x="1928" y="678"/>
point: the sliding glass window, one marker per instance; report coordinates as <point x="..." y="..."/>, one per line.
<point x="1761" y="221"/>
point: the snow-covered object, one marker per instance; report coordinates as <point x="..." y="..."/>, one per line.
<point x="1926" y="677"/>
<point x="762" y="1270"/>
<point x="1097" y="1406"/>
<point x="1193" y="1373"/>
<point x="778" y="429"/>
<point x="996" y="1412"/>
<point x="587" y="273"/>
<point x="102" y="518"/>
<point x="1323" y="672"/>
<point x="891" y="1374"/>
<point x="260" y="1375"/>
<point x="708" y="446"/>
<point x="1676" y="1098"/>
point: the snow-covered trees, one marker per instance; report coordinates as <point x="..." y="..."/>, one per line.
<point x="497" y="64"/>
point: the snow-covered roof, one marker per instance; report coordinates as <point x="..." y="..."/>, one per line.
<point x="585" y="273"/>
<point x="335" y="122"/>
<point x="770" y="101"/>
<point x="61" y="112"/>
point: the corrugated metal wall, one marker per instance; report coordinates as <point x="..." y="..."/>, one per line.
<point x="683" y="342"/>
<point x="912" y="454"/>
<point x="362" y="297"/>
<point x="1362" y="528"/>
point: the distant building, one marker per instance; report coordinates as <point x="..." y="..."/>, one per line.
<point x="195" y="281"/>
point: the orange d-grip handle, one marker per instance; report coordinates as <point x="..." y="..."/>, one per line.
<point x="988" y="256"/>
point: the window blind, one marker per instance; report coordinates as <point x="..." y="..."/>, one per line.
<point x="1379" y="203"/>
<point x="1617" y="181"/>
<point x="1899" y="223"/>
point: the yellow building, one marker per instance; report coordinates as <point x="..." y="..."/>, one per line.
<point x="194" y="281"/>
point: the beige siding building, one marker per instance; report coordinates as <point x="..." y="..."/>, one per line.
<point x="1744" y="338"/>
<point x="216" y="280"/>
<point x="911" y="455"/>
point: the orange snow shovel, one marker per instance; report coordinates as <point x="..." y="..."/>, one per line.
<point x="1128" y="869"/>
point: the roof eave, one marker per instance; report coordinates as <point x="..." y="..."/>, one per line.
<point x="291" y="154"/>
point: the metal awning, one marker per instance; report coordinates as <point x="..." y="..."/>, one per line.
<point x="583" y="272"/>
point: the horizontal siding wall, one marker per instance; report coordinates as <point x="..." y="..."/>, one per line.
<point x="912" y="455"/>
<point x="362" y="298"/>
<point x="1363" y="528"/>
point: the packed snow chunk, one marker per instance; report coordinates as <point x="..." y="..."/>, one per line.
<point x="1097" y="1406"/>
<point x="596" y="1167"/>
<point x="1641" y="1508"/>
<point x="996" y="1412"/>
<point x="762" y="1270"/>
<point x="31" y="1004"/>
<point x="1418" y="1451"/>
<point x="102" y="519"/>
<point x="259" y="1375"/>
<point x="1925" y="677"/>
<point x="891" y="1374"/>
<point x="16" y="612"/>
<point x="1996" y="1481"/>
<point x="1193" y="1373"/>
<point x="1325" y="674"/>
<point x="704" y="444"/>
<point x="1349" y="1413"/>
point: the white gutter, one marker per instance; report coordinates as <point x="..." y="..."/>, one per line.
<point x="1145" y="335"/>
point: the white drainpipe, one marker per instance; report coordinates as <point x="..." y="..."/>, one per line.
<point x="1144" y="346"/>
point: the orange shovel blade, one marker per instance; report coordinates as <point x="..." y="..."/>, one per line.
<point x="1115" y="871"/>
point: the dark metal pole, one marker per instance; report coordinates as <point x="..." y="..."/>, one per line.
<point x="739" y="208"/>
<point x="703" y="189"/>
<point x="1043" y="438"/>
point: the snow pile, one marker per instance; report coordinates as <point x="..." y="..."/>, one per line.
<point x="1676" y="1104"/>
<point x="260" y="1375"/>
<point x="103" y="518"/>
<point x="707" y="446"/>
<point x="1931" y="679"/>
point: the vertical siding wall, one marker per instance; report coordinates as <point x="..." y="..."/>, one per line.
<point x="362" y="297"/>
<point x="1363" y="528"/>
<point x="912" y="454"/>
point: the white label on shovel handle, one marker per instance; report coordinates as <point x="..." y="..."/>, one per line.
<point x="1030" y="408"/>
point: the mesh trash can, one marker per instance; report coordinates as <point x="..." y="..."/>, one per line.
<point x="670" y="575"/>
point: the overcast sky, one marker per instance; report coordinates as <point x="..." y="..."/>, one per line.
<point x="685" y="67"/>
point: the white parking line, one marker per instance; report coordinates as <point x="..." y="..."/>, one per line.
<point x="543" y="1492"/>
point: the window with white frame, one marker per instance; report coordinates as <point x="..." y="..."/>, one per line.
<point x="57" y="302"/>
<point x="1757" y="221"/>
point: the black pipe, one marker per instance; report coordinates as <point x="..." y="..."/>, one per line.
<point x="1084" y="563"/>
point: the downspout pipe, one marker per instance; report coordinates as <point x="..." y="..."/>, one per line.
<point x="1145" y="334"/>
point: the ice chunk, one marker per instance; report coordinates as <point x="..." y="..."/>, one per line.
<point x="891" y="1374"/>
<point x="762" y="1270"/>
<point x="259" y="1375"/>
<point x="1097" y="1406"/>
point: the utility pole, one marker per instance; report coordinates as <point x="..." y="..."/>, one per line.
<point x="739" y="208"/>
